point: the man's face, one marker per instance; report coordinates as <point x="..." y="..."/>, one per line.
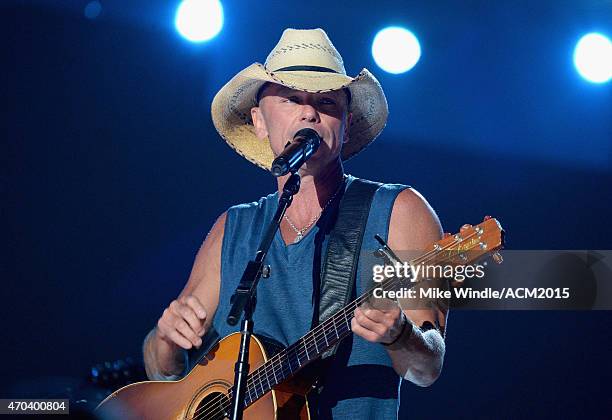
<point x="283" y="111"/>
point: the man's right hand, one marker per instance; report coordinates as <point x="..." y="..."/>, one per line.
<point x="182" y="323"/>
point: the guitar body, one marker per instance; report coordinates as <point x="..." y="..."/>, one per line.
<point x="202" y="394"/>
<point x="278" y="391"/>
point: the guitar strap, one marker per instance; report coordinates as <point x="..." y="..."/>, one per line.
<point x="338" y="272"/>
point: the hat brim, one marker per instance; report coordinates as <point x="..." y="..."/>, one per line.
<point x="231" y="108"/>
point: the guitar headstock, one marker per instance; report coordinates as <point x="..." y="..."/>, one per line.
<point x="470" y="244"/>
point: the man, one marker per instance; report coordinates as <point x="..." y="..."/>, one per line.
<point x="303" y="84"/>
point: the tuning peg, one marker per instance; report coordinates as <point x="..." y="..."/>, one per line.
<point x="497" y="257"/>
<point x="464" y="227"/>
<point x="487" y="218"/>
<point x="446" y="235"/>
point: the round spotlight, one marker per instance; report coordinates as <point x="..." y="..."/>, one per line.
<point x="593" y="58"/>
<point x="199" y="20"/>
<point x="396" y="50"/>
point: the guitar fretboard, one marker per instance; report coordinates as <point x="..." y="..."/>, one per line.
<point x="305" y="350"/>
<point x="331" y="331"/>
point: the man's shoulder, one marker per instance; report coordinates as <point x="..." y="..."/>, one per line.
<point x="253" y="206"/>
<point x="408" y="204"/>
<point x="414" y="223"/>
<point x="411" y="200"/>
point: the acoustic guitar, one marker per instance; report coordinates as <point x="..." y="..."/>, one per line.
<point x="275" y="390"/>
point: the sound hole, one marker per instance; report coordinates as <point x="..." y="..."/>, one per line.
<point x="214" y="406"/>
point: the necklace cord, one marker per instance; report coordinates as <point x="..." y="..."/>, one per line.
<point x="300" y="232"/>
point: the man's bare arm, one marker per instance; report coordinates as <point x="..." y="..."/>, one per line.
<point x="417" y="355"/>
<point x="185" y="321"/>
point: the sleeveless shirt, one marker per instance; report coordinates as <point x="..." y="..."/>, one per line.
<point x="359" y="382"/>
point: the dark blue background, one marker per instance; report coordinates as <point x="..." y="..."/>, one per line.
<point x="112" y="174"/>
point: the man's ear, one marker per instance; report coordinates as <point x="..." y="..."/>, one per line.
<point x="261" y="131"/>
<point x="347" y="126"/>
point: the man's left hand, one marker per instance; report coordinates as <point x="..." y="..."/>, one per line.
<point x="378" y="325"/>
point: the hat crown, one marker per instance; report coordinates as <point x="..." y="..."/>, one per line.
<point x="305" y="47"/>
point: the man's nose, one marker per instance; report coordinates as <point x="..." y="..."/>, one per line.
<point x="309" y="113"/>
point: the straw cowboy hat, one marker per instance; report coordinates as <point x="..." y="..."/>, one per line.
<point x="304" y="60"/>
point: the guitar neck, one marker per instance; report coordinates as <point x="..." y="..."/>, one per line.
<point x="470" y="244"/>
<point x="305" y="350"/>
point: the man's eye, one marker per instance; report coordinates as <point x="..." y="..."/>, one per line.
<point x="293" y="99"/>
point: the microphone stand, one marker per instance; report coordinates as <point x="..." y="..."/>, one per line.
<point x="244" y="298"/>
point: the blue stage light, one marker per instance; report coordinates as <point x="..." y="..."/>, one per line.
<point x="93" y="9"/>
<point x="396" y="50"/>
<point x="593" y="58"/>
<point x="199" y="20"/>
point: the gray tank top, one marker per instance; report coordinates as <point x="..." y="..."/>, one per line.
<point x="360" y="382"/>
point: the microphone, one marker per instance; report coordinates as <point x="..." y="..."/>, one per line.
<point x="305" y="144"/>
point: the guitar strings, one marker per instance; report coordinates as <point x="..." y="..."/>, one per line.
<point x="328" y="322"/>
<point x="354" y="303"/>
<point x="219" y="400"/>
<point x="257" y="372"/>
<point x="269" y="365"/>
